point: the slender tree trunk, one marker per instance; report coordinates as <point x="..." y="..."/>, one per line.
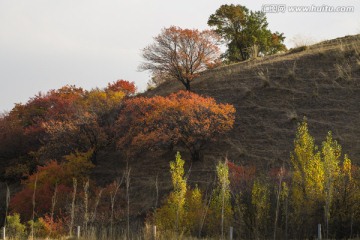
<point x="351" y="225"/>
<point x="277" y="205"/>
<point x="117" y="184"/>
<point x="86" y="205"/>
<point x="205" y="211"/>
<point x="73" y="207"/>
<point x="33" y="210"/>
<point x="113" y="193"/>
<point x="286" y="218"/>
<point x="328" y="198"/>
<point x="128" y="201"/>
<point x="327" y="219"/>
<point x="222" y="210"/>
<point x="157" y="191"/>
<point x="276" y="216"/>
<point x="7" y="203"/>
<point x="93" y="217"/>
<point x="53" y="203"/>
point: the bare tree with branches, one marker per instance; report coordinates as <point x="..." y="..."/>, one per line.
<point x="182" y="54"/>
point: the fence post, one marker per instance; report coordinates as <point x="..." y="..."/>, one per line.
<point x="154" y="232"/>
<point x="3" y="233"/>
<point x="78" y="232"/>
<point x="319" y="232"/>
<point x="231" y="233"/>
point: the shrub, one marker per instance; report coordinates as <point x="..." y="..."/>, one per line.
<point x="14" y="228"/>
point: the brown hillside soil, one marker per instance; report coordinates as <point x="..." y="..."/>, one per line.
<point x="271" y="95"/>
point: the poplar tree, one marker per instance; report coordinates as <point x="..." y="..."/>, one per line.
<point x="221" y="211"/>
<point x="170" y="216"/>
<point x="331" y="152"/>
<point x="307" y="179"/>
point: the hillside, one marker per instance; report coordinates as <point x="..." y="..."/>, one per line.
<point x="271" y="96"/>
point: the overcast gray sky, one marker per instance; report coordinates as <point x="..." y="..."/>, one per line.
<point x="46" y="44"/>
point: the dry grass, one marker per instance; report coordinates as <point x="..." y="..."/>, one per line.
<point x="103" y="233"/>
<point x="344" y="71"/>
<point x="312" y="83"/>
<point x="291" y="74"/>
<point x="298" y="49"/>
<point x="264" y="76"/>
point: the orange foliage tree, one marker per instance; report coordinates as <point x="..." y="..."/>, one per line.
<point x="127" y="87"/>
<point x="183" y="118"/>
<point x="182" y="53"/>
<point x="53" y="105"/>
<point x="89" y="127"/>
<point x="22" y="131"/>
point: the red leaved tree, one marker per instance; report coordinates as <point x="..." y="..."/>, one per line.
<point x="125" y="86"/>
<point x="53" y="105"/>
<point x="182" y="53"/>
<point x="45" y="180"/>
<point x="182" y="118"/>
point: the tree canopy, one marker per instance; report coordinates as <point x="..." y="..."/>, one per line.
<point x="182" y="53"/>
<point x="183" y="118"/>
<point x="245" y="32"/>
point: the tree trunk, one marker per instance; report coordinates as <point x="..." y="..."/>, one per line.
<point x="94" y="157"/>
<point x="196" y="155"/>
<point x="187" y="85"/>
<point x="73" y="207"/>
<point x="242" y="52"/>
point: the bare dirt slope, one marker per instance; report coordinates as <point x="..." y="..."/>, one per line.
<point x="271" y="95"/>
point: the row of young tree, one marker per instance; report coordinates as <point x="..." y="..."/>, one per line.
<point x="58" y="197"/>
<point x="320" y="186"/>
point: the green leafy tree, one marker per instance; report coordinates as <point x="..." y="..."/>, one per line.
<point x="331" y="152"/>
<point x="344" y="207"/>
<point x="39" y="228"/>
<point x="14" y="228"/>
<point x="260" y="195"/>
<point x="220" y="212"/>
<point x="194" y="211"/>
<point x="170" y="216"/>
<point x="179" y="183"/>
<point x="322" y="189"/>
<point x="307" y="180"/>
<point x="245" y="32"/>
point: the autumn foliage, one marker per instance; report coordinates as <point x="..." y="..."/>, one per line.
<point x="127" y="87"/>
<point x="46" y="179"/>
<point x="182" y="53"/>
<point x="182" y="118"/>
